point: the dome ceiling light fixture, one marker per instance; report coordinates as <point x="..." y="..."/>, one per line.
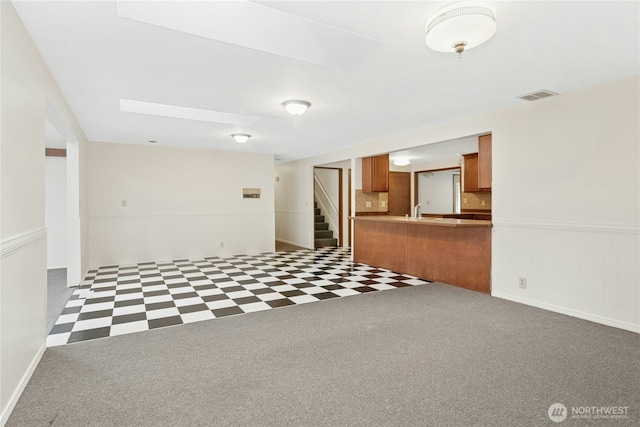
<point x="460" y="27"/>
<point x="401" y="161"/>
<point x="296" y="107"/>
<point x="241" y="138"/>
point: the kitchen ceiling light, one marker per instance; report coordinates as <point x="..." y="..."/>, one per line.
<point x="401" y="161"/>
<point x="241" y="137"/>
<point x="296" y="107"/>
<point x="460" y="27"/>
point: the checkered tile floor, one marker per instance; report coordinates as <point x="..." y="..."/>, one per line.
<point x="117" y="300"/>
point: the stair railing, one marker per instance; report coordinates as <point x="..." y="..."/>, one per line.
<point x="326" y="205"/>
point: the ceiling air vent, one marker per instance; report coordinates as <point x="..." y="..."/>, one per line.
<point x="537" y="95"/>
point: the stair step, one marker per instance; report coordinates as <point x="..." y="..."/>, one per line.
<point x="319" y="218"/>
<point x="326" y="242"/>
<point x="317" y="211"/>
<point x="321" y="226"/>
<point x="319" y="234"/>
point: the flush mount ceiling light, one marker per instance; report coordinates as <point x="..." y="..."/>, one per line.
<point x="401" y="161"/>
<point x="460" y="27"/>
<point x="241" y="138"/>
<point x="296" y="107"/>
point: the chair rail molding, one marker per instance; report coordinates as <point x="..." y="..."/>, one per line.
<point x="570" y="226"/>
<point x="17" y="243"/>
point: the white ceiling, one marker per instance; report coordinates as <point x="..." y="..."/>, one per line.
<point x="363" y="66"/>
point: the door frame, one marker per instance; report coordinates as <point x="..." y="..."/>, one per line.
<point x="340" y="202"/>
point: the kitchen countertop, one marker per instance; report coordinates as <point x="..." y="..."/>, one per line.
<point x="443" y="222"/>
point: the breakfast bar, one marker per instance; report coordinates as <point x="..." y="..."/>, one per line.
<point x="453" y="251"/>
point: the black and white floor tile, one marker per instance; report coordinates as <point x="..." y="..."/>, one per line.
<point x="115" y="300"/>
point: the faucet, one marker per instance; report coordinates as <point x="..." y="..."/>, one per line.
<point x="416" y="211"/>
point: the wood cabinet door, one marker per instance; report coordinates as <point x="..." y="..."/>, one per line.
<point x="381" y="173"/>
<point x="375" y="174"/>
<point x="484" y="162"/>
<point x="367" y="174"/>
<point x="470" y="173"/>
<point x="399" y="193"/>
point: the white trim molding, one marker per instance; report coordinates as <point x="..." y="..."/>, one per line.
<point x="181" y="214"/>
<point x="15" y="396"/>
<point x="21" y="241"/>
<point x="570" y="226"/>
<point x="569" y="312"/>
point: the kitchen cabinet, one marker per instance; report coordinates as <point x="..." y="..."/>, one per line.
<point x="470" y="173"/>
<point x="453" y="251"/>
<point x="477" y="167"/>
<point x="484" y="162"/>
<point x="399" y="193"/>
<point x="375" y="174"/>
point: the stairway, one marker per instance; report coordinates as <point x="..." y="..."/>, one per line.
<point x="323" y="236"/>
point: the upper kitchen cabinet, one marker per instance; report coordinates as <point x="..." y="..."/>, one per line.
<point x="470" y="173"/>
<point x="375" y="174"/>
<point x="484" y="162"/>
<point x="477" y="167"/>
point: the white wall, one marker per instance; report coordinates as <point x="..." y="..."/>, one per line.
<point x="566" y="204"/>
<point x="29" y="94"/>
<point x="56" y="211"/>
<point x="560" y="166"/>
<point x="181" y="203"/>
<point x="294" y="204"/>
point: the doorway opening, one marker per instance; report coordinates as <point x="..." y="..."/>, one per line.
<point x="328" y="206"/>
<point x="55" y="162"/>
<point x="438" y="191"/>
<point x="62" y="215"/>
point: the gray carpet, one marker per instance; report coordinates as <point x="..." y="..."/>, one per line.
<point x="57" y="294"/>
<point x="431" y="355"/>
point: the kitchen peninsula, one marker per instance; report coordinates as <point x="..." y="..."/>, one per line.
<point x="449" y="250"/>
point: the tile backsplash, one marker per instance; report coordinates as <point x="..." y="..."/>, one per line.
<point x="372" y="202"/>
<point x="475" y="200"/>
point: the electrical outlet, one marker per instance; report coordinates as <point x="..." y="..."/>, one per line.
<point x="522" y="282"/>
<point x="124" y="203"/>
<point x="482" y="203"/>
<point x="367" y="204"/>
<point x="222" y="244"/>
<point x="383" y="203"/>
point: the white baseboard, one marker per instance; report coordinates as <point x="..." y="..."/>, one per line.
<point x="6" y="411"/>
<point x="573" y="313"/>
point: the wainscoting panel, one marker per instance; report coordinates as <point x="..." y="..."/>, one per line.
<point x="586" y="271"/>
<point x="23" y="312"/>
<point x="131" y="239"/>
